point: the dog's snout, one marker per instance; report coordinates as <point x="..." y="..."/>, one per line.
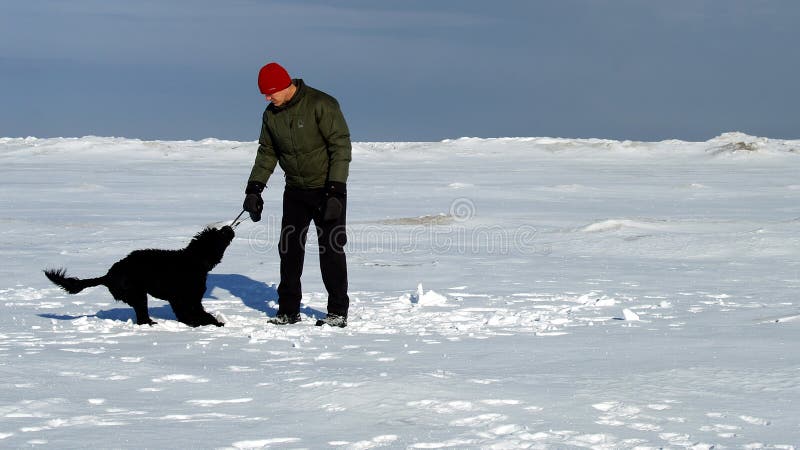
<point x="228" y="232"/>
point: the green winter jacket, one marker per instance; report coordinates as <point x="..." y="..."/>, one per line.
<point x="308" y="136"/>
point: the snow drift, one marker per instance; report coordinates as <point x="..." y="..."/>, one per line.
<point x="506" y="293"/>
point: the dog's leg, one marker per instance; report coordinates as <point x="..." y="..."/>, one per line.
<point x="190" y="311"/>
<point x="138" y="300"/>
<point x="182" y="311"/>
<point x="208" y="319"/>
<point x="202" y="317"/>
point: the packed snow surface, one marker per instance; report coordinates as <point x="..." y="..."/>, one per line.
<point x="505" y="293"/>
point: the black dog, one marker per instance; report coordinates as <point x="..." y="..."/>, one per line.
<point x="177" y="276"/>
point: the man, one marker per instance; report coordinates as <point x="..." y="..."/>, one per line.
<point x="304" y="130"/>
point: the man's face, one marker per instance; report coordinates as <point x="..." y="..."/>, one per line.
<point x="280" y="98"/>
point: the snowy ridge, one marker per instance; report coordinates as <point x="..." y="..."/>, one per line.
<point x="505" y="293"/>
<point x="733" y="142"/>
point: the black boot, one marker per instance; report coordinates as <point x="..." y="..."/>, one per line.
<point x="285" y="319"/>
<point x="333" y="320"/>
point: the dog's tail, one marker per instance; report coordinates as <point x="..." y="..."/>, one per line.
<point x="70" y="284"/>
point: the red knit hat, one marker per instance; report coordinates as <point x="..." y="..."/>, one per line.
<point x="273" y="78"/>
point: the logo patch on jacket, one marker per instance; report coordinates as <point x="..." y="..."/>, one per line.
<point x="300" y="123"/>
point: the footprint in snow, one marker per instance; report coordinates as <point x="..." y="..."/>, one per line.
<point x="377" y="441"/>
<point x="263" y="443"/>
<point x="180" y="378"/>
<point x="327" y="356"/>
<point x="755" y="420"/>
<point x="440" y="407"/>
<point x="332" y="407"/>
<point x="478" y="421"/>
<point x="619" y="414"/>
<point x="500" y="402"/>
<point x="329" y="384"/>
<point x="209" y="403"/>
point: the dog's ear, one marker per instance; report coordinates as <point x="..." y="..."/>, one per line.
<point x="205" y="232"/>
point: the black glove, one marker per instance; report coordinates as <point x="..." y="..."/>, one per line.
<point x="335" y="195"/>
<point x="253" y="203"/>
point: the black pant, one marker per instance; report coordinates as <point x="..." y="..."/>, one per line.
<point x="300" y="207"/>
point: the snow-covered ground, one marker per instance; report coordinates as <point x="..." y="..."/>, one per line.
<point x="506" y="293"/>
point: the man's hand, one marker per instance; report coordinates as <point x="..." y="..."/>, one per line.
<point x="335" y="195"/>
<point x="253" y="203"/>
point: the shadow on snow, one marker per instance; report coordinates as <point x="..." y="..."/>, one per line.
<point x="253" y="294"/>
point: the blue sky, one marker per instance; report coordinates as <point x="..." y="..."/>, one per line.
<point x="404" y="70"/>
